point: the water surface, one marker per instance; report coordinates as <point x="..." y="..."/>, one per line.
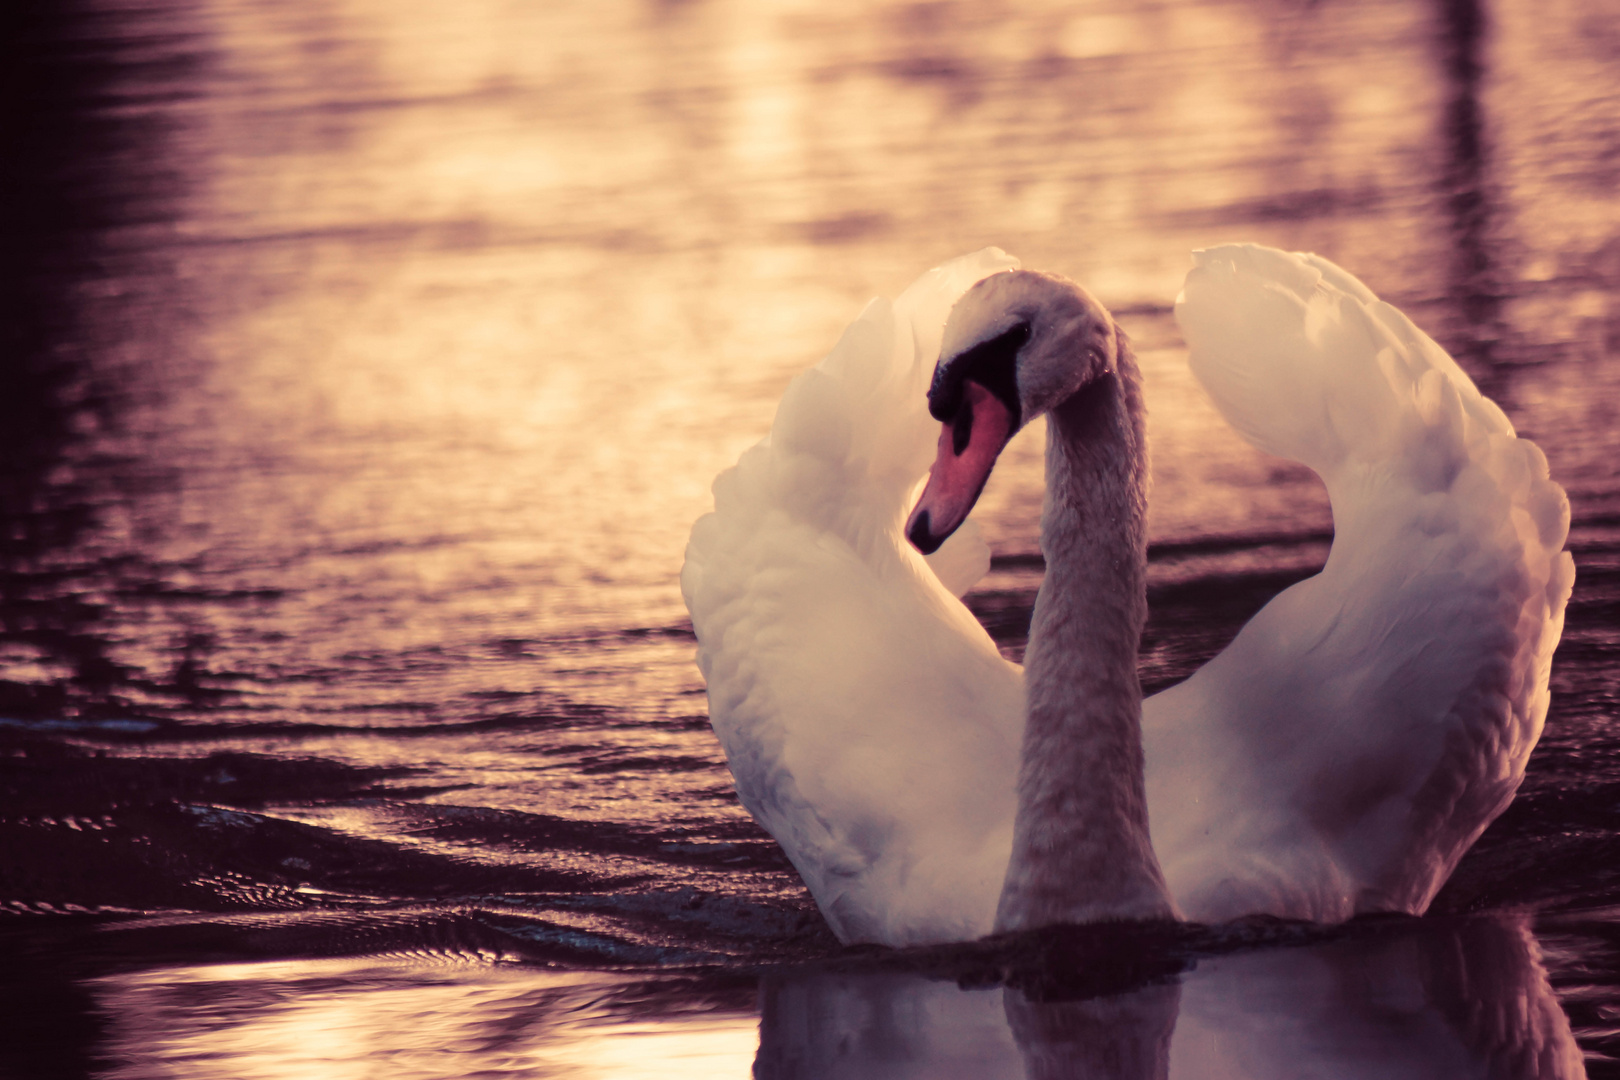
<point x="367" y="364"/>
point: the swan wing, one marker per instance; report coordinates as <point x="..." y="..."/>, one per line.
<point x="1367" y="724"/>
<point x="870" y="724"/>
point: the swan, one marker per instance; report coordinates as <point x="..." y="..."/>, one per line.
<point x="1338" y="757"/>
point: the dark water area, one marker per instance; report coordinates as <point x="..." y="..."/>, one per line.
<point x="365" y="366"/>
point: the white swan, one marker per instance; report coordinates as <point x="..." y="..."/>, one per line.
<point x="1339" y="756"/>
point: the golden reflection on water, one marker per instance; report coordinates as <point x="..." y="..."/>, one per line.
<point x="436" y="251"/>
<point x="343" y="1019"/>
<point x="519" y="282"/>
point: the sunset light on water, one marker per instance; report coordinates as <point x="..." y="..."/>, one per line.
<point x="368" y="365"/>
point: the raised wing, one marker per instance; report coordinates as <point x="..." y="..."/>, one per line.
<point x="869" y="721"/>
<point x="1368" y="723"/>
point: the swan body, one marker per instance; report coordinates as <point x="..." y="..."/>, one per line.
<point x="1338" y="757"/>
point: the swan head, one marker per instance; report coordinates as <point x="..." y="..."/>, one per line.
<point x="1017" y="345"/>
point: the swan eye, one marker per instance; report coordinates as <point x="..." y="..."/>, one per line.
<point x="992" y="364"/>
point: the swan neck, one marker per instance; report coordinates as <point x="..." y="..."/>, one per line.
<point x="1081" y="849"/>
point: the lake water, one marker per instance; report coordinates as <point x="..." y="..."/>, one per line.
<point x="367" y="364"/>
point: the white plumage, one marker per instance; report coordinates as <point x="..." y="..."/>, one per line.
<point x="1338" y="757"/>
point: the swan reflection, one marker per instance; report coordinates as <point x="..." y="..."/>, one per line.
<point x="1456" y="999"/>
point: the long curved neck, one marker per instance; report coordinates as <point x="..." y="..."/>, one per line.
<point x="1081" y="851"/>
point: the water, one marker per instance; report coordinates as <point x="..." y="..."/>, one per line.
<point x="367" y="364"/>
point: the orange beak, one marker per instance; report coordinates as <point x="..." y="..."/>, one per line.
<point x="968" y="447"/>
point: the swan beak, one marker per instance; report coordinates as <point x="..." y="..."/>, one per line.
<point x="968" y="446"/>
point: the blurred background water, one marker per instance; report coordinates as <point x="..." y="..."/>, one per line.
<point x="366" y="364"/>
